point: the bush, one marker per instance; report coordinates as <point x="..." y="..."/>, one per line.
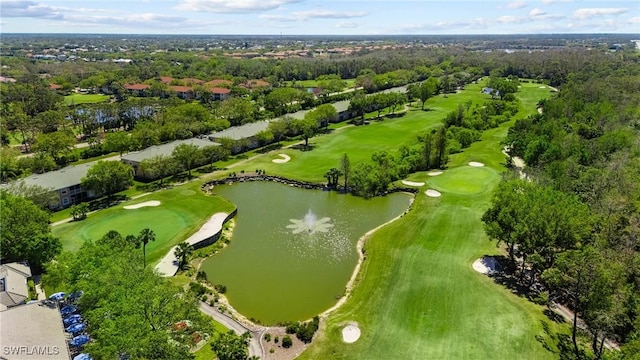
<point x="286" y="342"/>
<point x="220" y="288"/>
<point x="267" y="337"/>
<point x="197" y="288"/>
<point x="276" y="340"/>
<point x="292" y="328"/>
<point x="201" y="275"/>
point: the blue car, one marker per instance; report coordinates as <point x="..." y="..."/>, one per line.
<point x="79" y="340"/>
<point x="72" y="320"/>
<point x="76" y="328"/>
<point x="68" y="310"/>
<point x="83" y="356"/>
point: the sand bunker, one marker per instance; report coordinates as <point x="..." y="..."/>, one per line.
<point x="432" y="193"/>
<point x="144" y="204"/>
<point x="476" y="164"/>
<point x="412" y="183"/>
<point x="285" y="158"/>
<point x="542" y="87"/>
<point x="486" y="265"/>
<point x="350" y="333"/>
<point x="434" y="173"/>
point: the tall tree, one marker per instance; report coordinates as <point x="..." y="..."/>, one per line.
<point x="145" y="236"/>
<point x="25" y="235"/>
<point x="308" y="127"/>
<point x="345" y="169"/>
<point x="158" y="167"/>
<point x="441" y="146"/>
<point x="57" y="144"/>
<point x="118" y="141"/>
<point x="426" y="89"/>
<point x="183" y="252"/>
<point x="188" y="156"/>
<point x="108" y="177"/>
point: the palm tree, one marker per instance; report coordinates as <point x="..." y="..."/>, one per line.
<point x="183" y="252"/>
<point x="146" y="235"/>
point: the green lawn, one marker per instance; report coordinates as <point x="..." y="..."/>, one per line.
<point x="314" y="83"/>
<point x="417" y="295"/>
<point x="76" y="99"/>
<point x="358" y="141"/>
<point x="182" y="212"/>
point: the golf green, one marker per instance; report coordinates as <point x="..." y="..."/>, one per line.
<point x="182" y="211"/>
<point x="466" y="180"/>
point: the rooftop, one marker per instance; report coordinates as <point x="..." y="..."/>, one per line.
<point x="137" y="87"/>
<point x="60" y="179"/>
<point x="33" y="331"/>
<point x="241" y="132"/>
<point x="13" y="284"/>
<point x="164" y="149"/>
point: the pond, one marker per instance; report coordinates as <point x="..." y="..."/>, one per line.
<point x="293" y="250"/>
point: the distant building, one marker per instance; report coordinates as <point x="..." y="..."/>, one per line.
<point x="136" y="157"/>
<point x="13" y="284"/>
<point x="65" y="183"/>
<point x="137" y="89"/>
<point x="33" y="331"/>
<point x="243" y="132"/>
<point x="183" y="92"/>
<point x="220" y="93"/>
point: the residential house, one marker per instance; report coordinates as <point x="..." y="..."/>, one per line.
<point x="137" y="89"/>
<point x="33" y="331"/>
<point x="220" y="93"/>
<point x="243" y="132"/>
<point x="166" y="79"/>
<point x="55" y="87"/>
<point x="13" y="284"/>
<point x="65" y="183"/>
<point x="136" y="157"/>
<point x="183" y="92"/>
<point x="254" y="84"/>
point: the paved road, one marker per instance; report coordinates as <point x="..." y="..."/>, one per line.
<point x="255" y="348"/>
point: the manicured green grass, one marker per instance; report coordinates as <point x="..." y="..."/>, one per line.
<point x="206" y="353"/>
<point x="417" y="295"/>
<point x="77" y="99"/>
<point x="360" y="141"/>
<point x="182" y="212"/>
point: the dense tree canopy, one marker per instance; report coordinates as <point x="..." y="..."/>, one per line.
<point x="25" y="235"/>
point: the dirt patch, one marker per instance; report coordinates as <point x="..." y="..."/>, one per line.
<point x="283" y="159"/>
<point x="143" y="204"/>
<point x="280" y="353"/>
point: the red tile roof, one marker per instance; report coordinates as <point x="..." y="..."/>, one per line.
<point x="137" y="87"/>
<point x="218" y="90"/>
<point x="55" y="86"/>
<point x="166" y="79"/>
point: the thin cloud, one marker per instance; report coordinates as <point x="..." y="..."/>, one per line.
<point x="517" y="5"/>
<point x="29" y="9"/>
<point x="314" y="14"/>
<point x="508" y="19"/>
<point x="587" y="13"/>
<point x="547" y="2"/>
<point x="537" y="12"/>
<point x="232" y="6"/>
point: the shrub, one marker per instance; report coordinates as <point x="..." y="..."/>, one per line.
<point x="286" y="342"/>
<point x="272" y="350"/>
<point x="220" y="288"/>
<point x="197" y="288"/>
<point x="276" y="339"/>
<point x="267" y="337"/>
<point x="201" y="275"/>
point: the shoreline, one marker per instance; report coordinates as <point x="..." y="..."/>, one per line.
<point x="361" y="257"/>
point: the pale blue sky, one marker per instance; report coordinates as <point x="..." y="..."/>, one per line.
<point x="292" y="17"/>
